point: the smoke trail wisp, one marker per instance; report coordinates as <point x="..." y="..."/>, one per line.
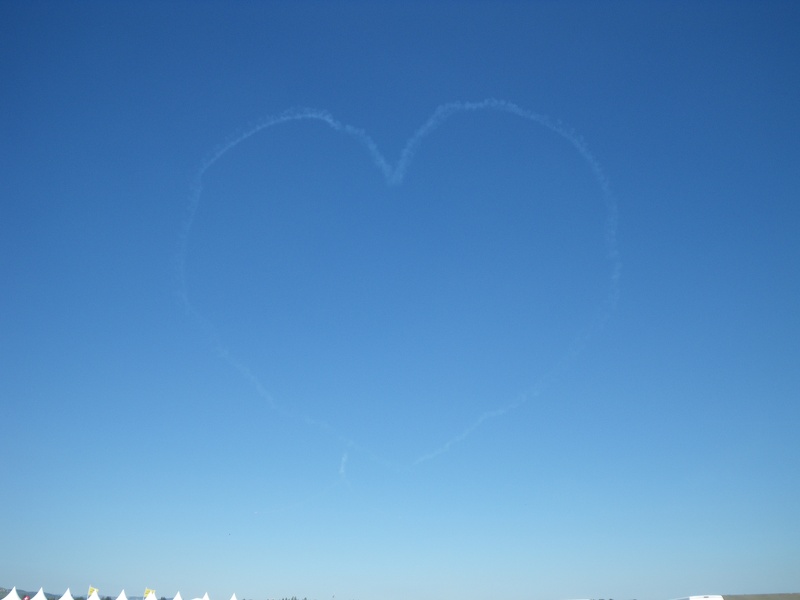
<point x="394" y="176"/>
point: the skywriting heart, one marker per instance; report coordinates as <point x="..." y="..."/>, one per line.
<point x="436" y="305"/>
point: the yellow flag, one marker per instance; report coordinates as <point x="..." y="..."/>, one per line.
<point x="147" y="592"/>
<point x="92" y="590"/>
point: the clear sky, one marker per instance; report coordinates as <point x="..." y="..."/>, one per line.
<point x="395" y="301"/>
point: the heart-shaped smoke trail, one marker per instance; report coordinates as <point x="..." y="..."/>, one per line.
<point x="394" y="175"/>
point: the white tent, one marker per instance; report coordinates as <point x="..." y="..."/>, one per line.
<point x="67" y="595"/>
<point x="122" y="596"/>
<point x="12" y="595"/>
<point x="177" y="596"/>
<point x="39" y="595"/>
<point x="233" y="597"/>
<point x="94" y="596"/>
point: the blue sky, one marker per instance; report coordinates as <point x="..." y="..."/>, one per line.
<point x="552" y="353"/>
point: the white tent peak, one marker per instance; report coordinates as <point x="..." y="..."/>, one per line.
<point x="67" y="595"/>
<point x="39" y="595"/>
<point x="94" y="596"/>
<point x="177" y="596"/>
<point x="12" y="595"/>
<point x="233" y="597"/>
<point x="122" y="596"/>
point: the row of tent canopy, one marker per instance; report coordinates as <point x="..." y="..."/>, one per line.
<point x="13" y="595"/>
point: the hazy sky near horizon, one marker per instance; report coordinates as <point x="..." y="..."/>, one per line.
<point x="382" y="301"/>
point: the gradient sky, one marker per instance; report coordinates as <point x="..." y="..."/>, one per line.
<point x="546" y="346"/>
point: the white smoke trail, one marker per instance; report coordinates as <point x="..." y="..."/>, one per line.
<point x="295" y="114"/>
<point x="394" y="175"/>
<point x="440" y="115"/>
<point x="490" y="414"/>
